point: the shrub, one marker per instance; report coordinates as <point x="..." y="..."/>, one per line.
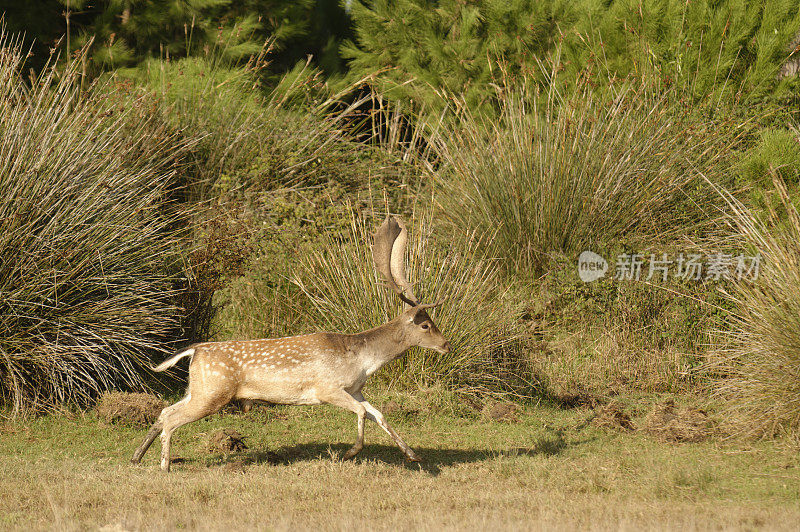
<point x="562" y="177"/>
<point x="244" y="139"/>
<point x="778" y="150"/>
<point x="611" y="337"/>
<point x="276" y="229"/>
<point x="478" y="318"/>
<point x="86" y="240"/>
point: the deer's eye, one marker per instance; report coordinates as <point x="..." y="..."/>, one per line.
<point x="425" y="326"/>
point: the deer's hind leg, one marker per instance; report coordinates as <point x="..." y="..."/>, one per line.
<point x="154" y="431"/>
<point x="152" y="434"/>
<point x="193" y="409"/>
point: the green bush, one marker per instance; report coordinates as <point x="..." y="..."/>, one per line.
<point x="244" y="140"/>
<point x="86" y="274"/>
<point x="778" y="150"/>
<point x="270" y="233"/>
<point x="612" y="337"/>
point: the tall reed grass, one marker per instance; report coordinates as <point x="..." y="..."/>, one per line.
<point x="559" y="176"/>
<point x="758" y="363"/>
<point x="86" y="240"/>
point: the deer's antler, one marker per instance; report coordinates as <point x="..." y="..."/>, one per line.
<point x="388" y="252"/>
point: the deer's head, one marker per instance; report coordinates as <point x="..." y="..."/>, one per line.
<point x="388" y="252"/>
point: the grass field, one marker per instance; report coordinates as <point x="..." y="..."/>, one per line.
<point x="548" y="469"/>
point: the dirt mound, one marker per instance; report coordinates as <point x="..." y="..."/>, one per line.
<point x="612" y="416"/>
<point x="391" y="408"/>
<point x="226" y="441"/>
<point x="397" y="410"/>
<point x="129" y="408"/>
<point x="576" y="399"/>
<point x="501" y="411"/>
<point x="671" y="423"/>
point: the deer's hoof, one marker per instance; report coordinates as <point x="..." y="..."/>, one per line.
<point x="412" y="457"/>
<point x="351" y="453"/>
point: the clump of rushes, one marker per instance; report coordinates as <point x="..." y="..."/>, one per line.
<point x="557" y="176"/>
<point x="85" y="288"/>
<point x="478" y="316"/>
<point x="759" y="367"/>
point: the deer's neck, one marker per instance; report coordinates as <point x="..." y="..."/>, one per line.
<point x="379" y="346"/>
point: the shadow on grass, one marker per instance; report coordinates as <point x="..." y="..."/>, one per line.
<point x="433" y="459"/>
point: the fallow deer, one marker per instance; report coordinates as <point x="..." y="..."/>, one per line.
<point x="305" y="370"/>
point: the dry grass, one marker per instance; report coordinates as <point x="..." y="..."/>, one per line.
<point x="758" y="359"/>
<point x="612" y="415"/>
<point x="670" y="422"/>
<point x="501" y="411"/>
<point x="225" y="441"/>
<point x="546" y="471"/>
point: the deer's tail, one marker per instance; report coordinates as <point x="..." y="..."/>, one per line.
<point x="168" y="363"/>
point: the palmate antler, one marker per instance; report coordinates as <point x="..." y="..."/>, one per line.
<point x="388" y="252"/>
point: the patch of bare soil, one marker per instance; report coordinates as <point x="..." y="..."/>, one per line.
<point x="576" y="399"/>
<point x="225" y="441"/>
<point x="672" y="423"/>
<point x="394" y="409"/>
<point x="502" y="411"/>
<point x="612" y="416"/>
<point x="391" y="408"/>
<point x="129" y="408"/>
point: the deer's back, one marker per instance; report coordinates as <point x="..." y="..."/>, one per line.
<point x="288" y="370"/>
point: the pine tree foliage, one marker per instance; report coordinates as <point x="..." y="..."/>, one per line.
<point x="734" y="47"/>
<point x="124" y="33"/>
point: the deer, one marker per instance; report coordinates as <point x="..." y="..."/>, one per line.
<point x="311" y="369"/>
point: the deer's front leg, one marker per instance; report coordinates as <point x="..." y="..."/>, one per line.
<point x="356" y="448"/>
<point x="378" y="418"/>
<point x="344" y="400"/>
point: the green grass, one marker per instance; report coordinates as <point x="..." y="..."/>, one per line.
<point x="548" y="470"/>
